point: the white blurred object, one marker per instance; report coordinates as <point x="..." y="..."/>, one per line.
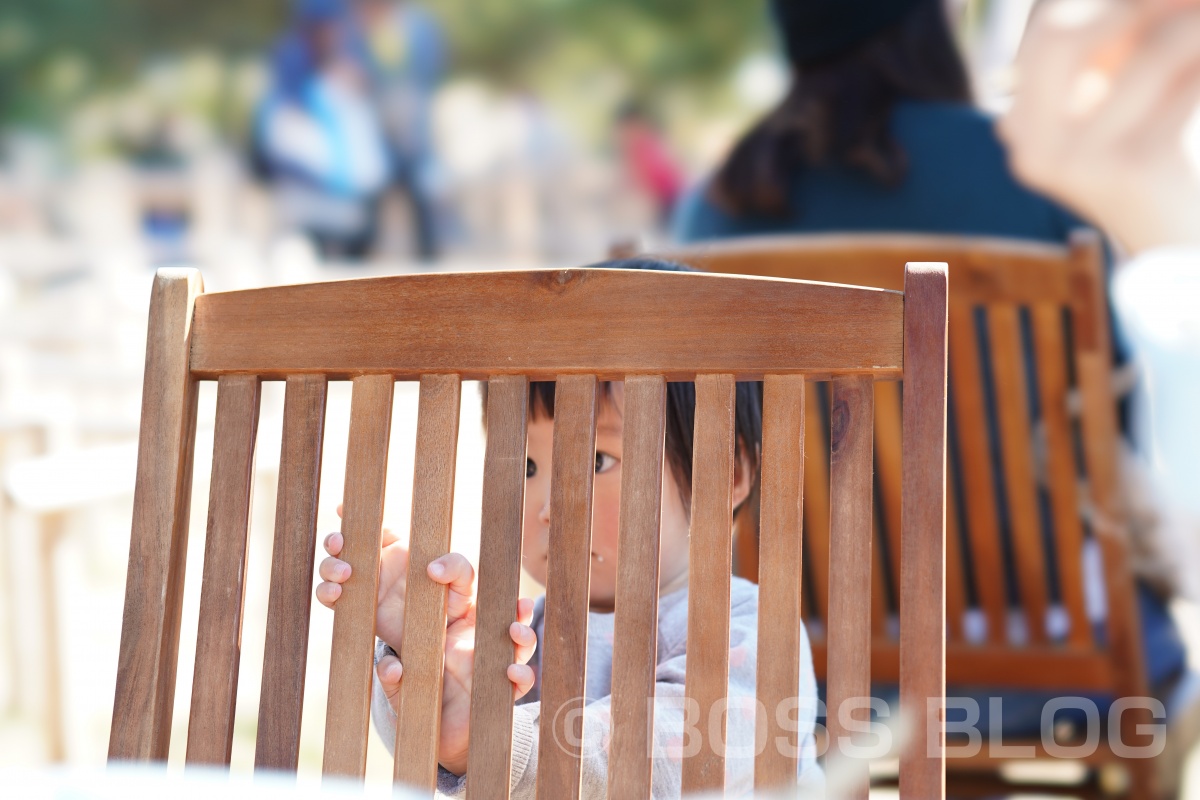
<point x="1155" y="297"/>
<point x="761" y="80"/>
<point x="121" y="782"/>
<point x="995" y="50"/>
<point x="72" y="478"/>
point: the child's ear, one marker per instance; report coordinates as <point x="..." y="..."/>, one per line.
<point x="744" y="473"/>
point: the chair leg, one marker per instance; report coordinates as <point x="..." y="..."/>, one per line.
<point x="11" y="648"/>
<point x="1143" y="779"/>
<point x="51" y="532"/>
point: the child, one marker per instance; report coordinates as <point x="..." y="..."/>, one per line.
<point x="456" y="572"/>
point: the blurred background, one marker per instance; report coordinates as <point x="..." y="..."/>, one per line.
<point x="461" y="134"/>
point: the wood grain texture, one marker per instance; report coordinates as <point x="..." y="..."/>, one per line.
<point x="710" y="558"/>
<point x="636" y="624"/>
<point x="1051" y="355"/>
<point x="568" y="582"/>
<point x="285" y="658"/>
<point x="145" y="693"/>
<point x="779" y="595"/>
<point x="975" y="461"/>
<point x="223" y="589"/>
<point x="849" y="633"/>
<point x="923" y="558"/>
<point x="481" y="324"/>
<point x="1016" y="448"/>
<point x="490" y="747"/>
<point x="982" y="269"/>
<point x="350" y="670"/>
<point x="423" y="642"/>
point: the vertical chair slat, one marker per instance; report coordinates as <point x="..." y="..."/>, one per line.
<point x="219" y="637"/>
<point x="887" y="467"/>
<point x="351" y="665"/>
<point x="145" y="693"/>
<point x="923" y="594"/>
<point x="636" y="623"/>
<point x="816" y="493"/>
<point x="425" y="602"/>
<point x="778" y="678"/>
<point x="1012" y="400"/>
<point x="1050" y="348"/>
<point x="849" y="635"/>
<point x="1101" y="435"/>
<point x="710" y="556"/>
<point x="971" y="426"/>
<point x="281" y="699"/>
<point x="490" y="748"/>
<point x="568" y="581"/>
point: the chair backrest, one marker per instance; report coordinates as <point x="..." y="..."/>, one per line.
<point x="1033" y="455"/>
<point x="575" y="327"/>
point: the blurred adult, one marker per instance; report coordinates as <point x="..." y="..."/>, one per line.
<point x="318" y="136"/>
<point x="406" y="51"/>
<point x="876" y="133"/>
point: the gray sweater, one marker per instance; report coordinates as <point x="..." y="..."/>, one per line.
<point x="669" y="710"/>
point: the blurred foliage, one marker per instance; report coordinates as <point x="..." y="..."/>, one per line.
<point x="56" y="53"/>
<point x="654" y="43"/>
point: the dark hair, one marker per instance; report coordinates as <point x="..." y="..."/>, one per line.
<point x="681" y="403"/>
<point x="838" y="110"/>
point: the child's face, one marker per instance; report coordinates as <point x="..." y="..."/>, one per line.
<point x="606" y="506"/>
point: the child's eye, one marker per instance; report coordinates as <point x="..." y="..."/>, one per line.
<point x="530" y="468"/>
<point x="604" y="462"/>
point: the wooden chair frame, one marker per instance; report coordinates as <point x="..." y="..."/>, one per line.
<point x="576" y="327"/>
<point x="1002" y="277"/>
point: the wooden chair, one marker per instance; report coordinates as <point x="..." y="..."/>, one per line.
<point x="576" y="327"/>
<point x="1053" y="295"/>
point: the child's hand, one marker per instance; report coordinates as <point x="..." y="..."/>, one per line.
<point x="393" y="572"/>
<point x="460" y="659"/>
<point x="454" y="571"/>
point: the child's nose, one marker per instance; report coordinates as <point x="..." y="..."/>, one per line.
<point x="544" y="510"/>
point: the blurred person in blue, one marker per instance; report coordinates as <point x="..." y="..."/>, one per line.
<point x="406" y="50"/>
<point x="319" y="138"/>
<point x="877" y="133"/>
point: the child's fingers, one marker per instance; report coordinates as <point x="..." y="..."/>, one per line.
<point x="455" y="571"/>
<point x="339" y="510"/>
<point x="334" y="569"/>
<point x="389" y="538"/>
<point x="521" y="676"/>
<point x="525" y="640"/>
<point x="525" y="610"/>
<point x="333" y="543"/>
<point x="390" y="671"/>
<point x="328" y="593"/>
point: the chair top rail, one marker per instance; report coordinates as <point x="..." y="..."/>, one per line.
<point x="546" y="323"/>
<point x="982" y="269"/>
